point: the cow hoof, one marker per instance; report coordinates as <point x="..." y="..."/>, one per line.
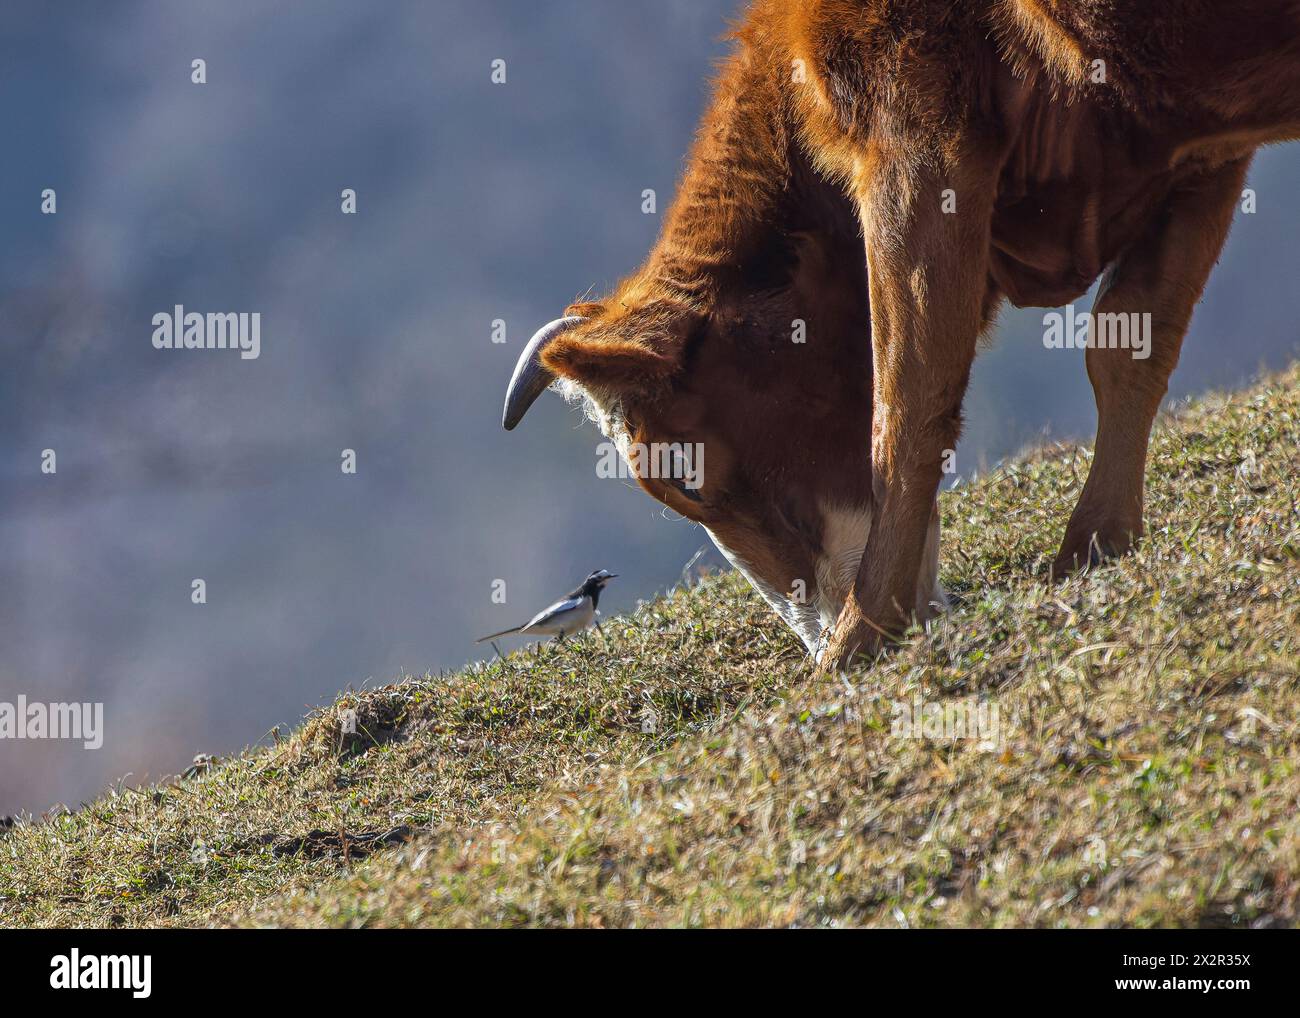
<point x="853" y="639"/>
<point x="1078" y="554"/>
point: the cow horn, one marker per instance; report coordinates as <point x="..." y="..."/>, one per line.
<point x="531" y="377"/>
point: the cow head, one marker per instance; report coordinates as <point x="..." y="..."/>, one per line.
<point x="765" y="392"/>
<point x="751" y="343"/>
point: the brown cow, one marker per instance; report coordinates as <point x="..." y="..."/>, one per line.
<point x="985" y="149"/>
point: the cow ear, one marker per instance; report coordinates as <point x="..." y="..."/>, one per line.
<point x="625" y="356"/>
<point x="607" y="364"/>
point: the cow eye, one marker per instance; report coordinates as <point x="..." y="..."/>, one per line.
<point x="692" y="493"/>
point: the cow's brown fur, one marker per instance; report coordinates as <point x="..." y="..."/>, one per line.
<point x="1057" y="178"/>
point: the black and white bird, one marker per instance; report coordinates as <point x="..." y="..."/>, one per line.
<point x="572" y="613"/>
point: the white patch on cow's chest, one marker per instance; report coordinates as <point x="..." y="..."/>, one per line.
<point x="845" y="530"/>
<point x="844" y="537"/>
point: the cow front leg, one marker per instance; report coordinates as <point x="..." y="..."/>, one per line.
<point x="926" y="224"/>
<point x="1154" y="286"/>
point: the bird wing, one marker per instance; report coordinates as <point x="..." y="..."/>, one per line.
<point x="547" y="614"/>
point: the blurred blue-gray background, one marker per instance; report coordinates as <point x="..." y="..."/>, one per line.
<point x="476" y="201"/>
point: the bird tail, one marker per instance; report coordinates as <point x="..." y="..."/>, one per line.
<point x="493" y="636"/>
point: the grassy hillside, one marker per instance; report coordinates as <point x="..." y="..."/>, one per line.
<point x="686" y="768"/>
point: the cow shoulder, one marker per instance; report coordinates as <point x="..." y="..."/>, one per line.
<point x="908" y="68"/>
